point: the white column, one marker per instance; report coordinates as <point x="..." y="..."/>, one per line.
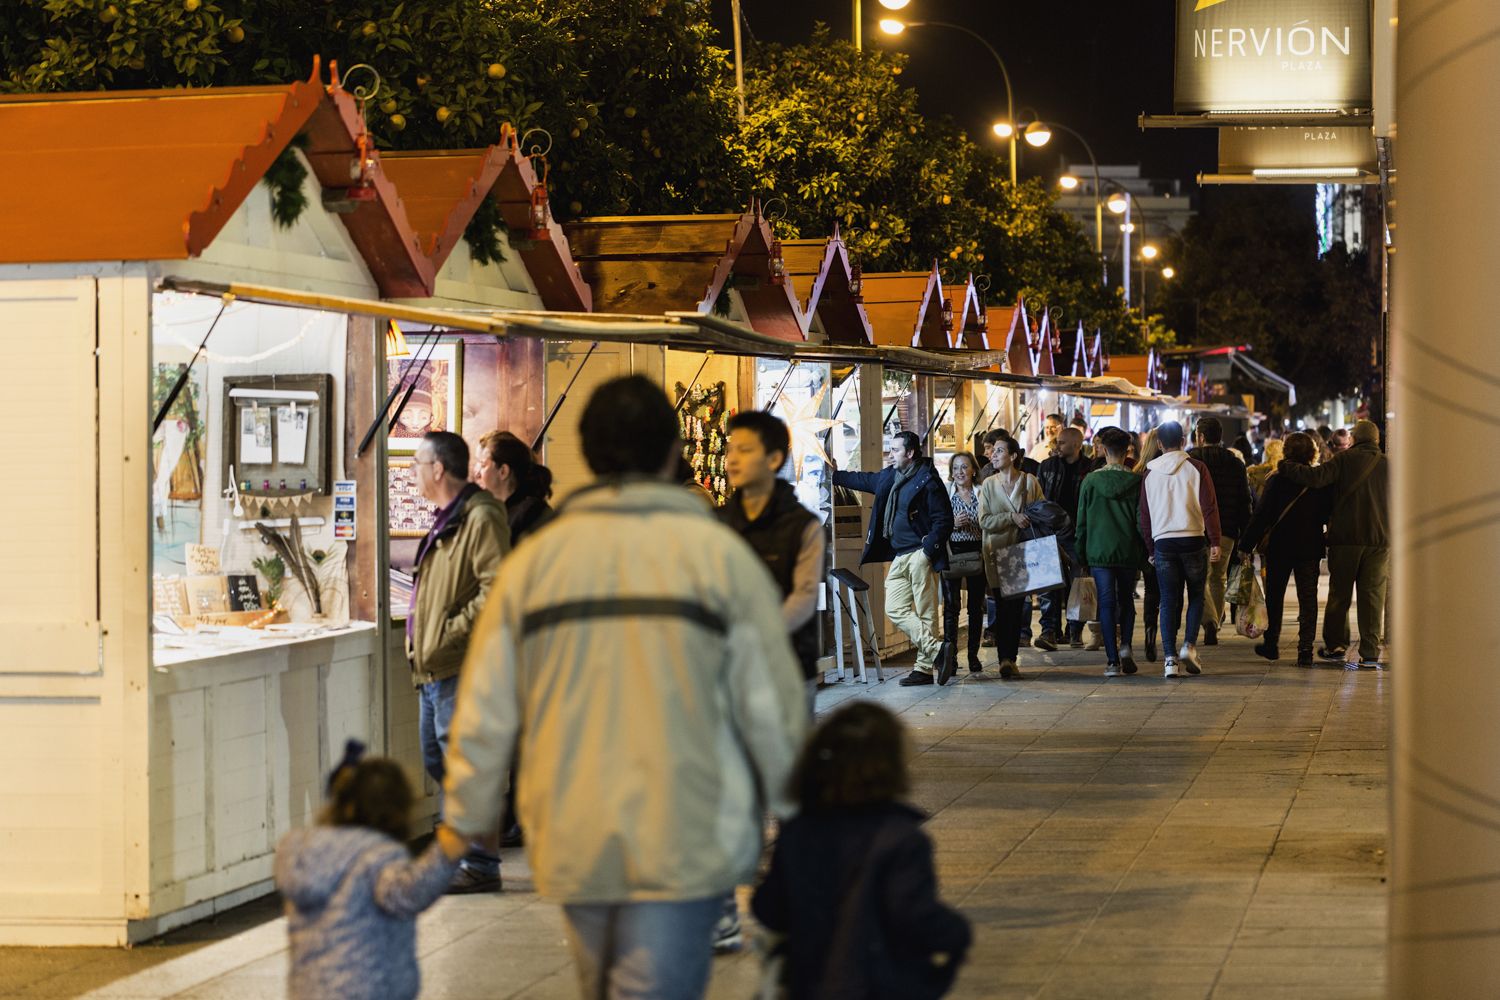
<point x="1445" y="901"/>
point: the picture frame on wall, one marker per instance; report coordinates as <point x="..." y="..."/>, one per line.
<point x="436" y="404"/>
<point x="409" y="515"/>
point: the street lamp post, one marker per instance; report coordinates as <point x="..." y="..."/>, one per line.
<point x="892" y="26"/>
<point x="1039" y="133"/>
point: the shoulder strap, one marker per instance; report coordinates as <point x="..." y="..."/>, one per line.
<point x="1284" y="512"/>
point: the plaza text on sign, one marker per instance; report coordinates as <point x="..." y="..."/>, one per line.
<point x="1273" y="55"/>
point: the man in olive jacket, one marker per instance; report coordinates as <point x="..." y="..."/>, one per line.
<point x="456" y="562"/>
<point x="1359" y="541"/>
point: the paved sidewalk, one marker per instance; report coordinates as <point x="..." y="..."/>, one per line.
<point x="1218" y="837"/>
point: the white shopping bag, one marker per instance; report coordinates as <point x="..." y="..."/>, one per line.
<point x="1030" y="567"/>
<point x="1083" y="600"/>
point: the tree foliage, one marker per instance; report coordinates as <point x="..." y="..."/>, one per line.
<point x="1250" y="274"/>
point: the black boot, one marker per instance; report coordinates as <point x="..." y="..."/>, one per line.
<point x="1150" y="643"/>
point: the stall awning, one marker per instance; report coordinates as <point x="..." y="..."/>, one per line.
<point x="1261" y="375"/>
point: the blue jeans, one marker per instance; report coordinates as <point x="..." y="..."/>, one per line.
<point x="435" y="718"/>
<point x="643" y="951"/>
<point x="1116" y="588"/>
<point x="1173" y="571"/>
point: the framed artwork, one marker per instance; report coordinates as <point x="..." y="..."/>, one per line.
<point x="436" y="404"/>
<point x="410" y="516"/>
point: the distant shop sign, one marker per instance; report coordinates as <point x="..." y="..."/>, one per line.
<point x="1246" y="150"/>
<point x="1273" y="55"/>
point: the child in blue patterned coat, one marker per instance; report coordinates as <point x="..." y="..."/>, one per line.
<point x="353" y="890"/>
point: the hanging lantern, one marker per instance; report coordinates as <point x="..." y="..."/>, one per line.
<point x="777" y="264"/>
<point x="857" y="280"/>
<point x="947" y="316"/>
<point x="538" y="218"/>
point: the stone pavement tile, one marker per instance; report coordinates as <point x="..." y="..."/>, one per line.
<point x="1333" y="936"/>
<point x="1323" y="991"/>
<point x="1330" y="852"/>
<point x="1233" y="812"/>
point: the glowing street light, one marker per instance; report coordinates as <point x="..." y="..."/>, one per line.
<point x="1068" y="182"/>
<point x="892" y="26"/>
<point x="1118" y="203"/>
<point x="1127" y="227"/>
<point x="1149" y="251"/>
<point x="1038" y="134"/>
<point x="1003" y="130"/>
<point x="1169" y="272"/>
<point x="894" y="4"/>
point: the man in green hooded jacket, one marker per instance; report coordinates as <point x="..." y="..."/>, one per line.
<point x="1109" y="543"/>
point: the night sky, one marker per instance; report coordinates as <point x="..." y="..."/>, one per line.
<point x="1091" y="66"/>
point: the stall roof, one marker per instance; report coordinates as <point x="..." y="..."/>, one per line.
<point x="137" y="175"/>
<point x="1261" y="375"/>
<point x="666" y="263"/>
<point x="1029" y="342"/>
<point x="823" y="271"/>
<point x="155" y="175"/>
<point x="906" y="308"/>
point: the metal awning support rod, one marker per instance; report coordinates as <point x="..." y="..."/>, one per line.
<point x="420" y="363"/>
<point x="694" y="383"/>
<point x="557" y="406"/>
<point x="390" y="397"/>
<point x="166" y="404"/>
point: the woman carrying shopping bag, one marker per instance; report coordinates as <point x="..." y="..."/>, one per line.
<point x="1002" y="498"/>
<point x="965" y="573"/>
<point x="1109" y="543"/>
<point x="1150" y="450"/>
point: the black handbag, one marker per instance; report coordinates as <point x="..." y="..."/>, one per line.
<point x="965" y="559"/>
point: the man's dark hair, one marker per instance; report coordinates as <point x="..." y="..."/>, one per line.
<point x="1211" y="431"/>
<point x="1080" y="421"/>
<point x="1170" y="435"/>
<point x="1116" y="442"/>
<point x="998" y="434"/>
<point x="857" y="757"/>
<point x="450" y="450"/>
<point x="1325" y="432"/>
<point x="910" y="442"/>
<point x="1299" y="447"/>
<point x="627" y="427"/>
<point x="1055" y="416"/>
<point x="769" y="428"/>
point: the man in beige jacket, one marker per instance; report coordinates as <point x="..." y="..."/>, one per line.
<point x="635" y="647"/>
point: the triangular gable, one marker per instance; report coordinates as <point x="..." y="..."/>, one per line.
<point x="822" y="269"/>
<point x="906" y="308"/>
<point x="1028" y="345"/>
<point x="442" y="189"/>
<point x="137" y="175"/>
<point x="685" y="263"/>
<point x="548" y="260"/>
<point x="970" y="320"/>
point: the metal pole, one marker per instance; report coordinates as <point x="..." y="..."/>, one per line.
<point x="739" y="60"/>
<point x="1010" y="97"/>
<point x="859" y="27"/>
<point x="541" y="435"/>
<point x="1129" y="201"/>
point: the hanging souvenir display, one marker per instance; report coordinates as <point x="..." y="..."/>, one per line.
<point x="703" y="419"/>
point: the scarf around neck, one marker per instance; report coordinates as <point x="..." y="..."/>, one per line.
<point x="892" y="503"/>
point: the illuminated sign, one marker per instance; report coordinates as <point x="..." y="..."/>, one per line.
<point x="1272" y="55"/>
<point x="1347" y="150"/>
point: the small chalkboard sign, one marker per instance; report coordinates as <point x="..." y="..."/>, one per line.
<point x="244" y="593"/>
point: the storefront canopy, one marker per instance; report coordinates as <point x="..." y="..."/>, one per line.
<point x="1263" y="376"/>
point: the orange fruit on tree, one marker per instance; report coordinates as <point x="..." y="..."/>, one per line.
<point x="496" y="71"/>
<point x="443" y="114"/>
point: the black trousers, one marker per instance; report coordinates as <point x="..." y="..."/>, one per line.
<point x="1008" y="613"/>
<point x="953" y="591"/>
<point x="1305" y="572"/>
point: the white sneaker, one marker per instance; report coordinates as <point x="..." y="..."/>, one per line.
<point x="1112" y="670"/>
<point x="1171" y="665"/>
<point x="1188" y="657"/>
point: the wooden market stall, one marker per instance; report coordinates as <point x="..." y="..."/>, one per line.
<point x="831" y="286"/>
<point x="161" y="746"/>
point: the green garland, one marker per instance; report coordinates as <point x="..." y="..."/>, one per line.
<point x="285" y="179"/>
<point x="483" y="233"/>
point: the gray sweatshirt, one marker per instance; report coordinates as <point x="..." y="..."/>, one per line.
<point x="352" y="898"/>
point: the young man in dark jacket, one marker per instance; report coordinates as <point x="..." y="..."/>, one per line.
<point x="1232" y="488"/>
<point x="1109" y="540"/>
<point x="909" y="528"/>
<point x="1062" y="480"/>
<point x="1290" y="520"/>
<point x="1358" y="542"/>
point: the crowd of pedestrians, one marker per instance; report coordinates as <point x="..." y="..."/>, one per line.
<point x="629" y="692"/>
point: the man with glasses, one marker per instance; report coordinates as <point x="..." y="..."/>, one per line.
<point x="455" y="565"/>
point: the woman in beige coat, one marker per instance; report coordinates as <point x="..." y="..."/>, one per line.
<point x="1003" y="496"/>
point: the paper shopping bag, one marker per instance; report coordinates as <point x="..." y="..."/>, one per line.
<point x="1252" y="618"/>
<point x="1083" y="600"/>
<point x="1030" y="567"/>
